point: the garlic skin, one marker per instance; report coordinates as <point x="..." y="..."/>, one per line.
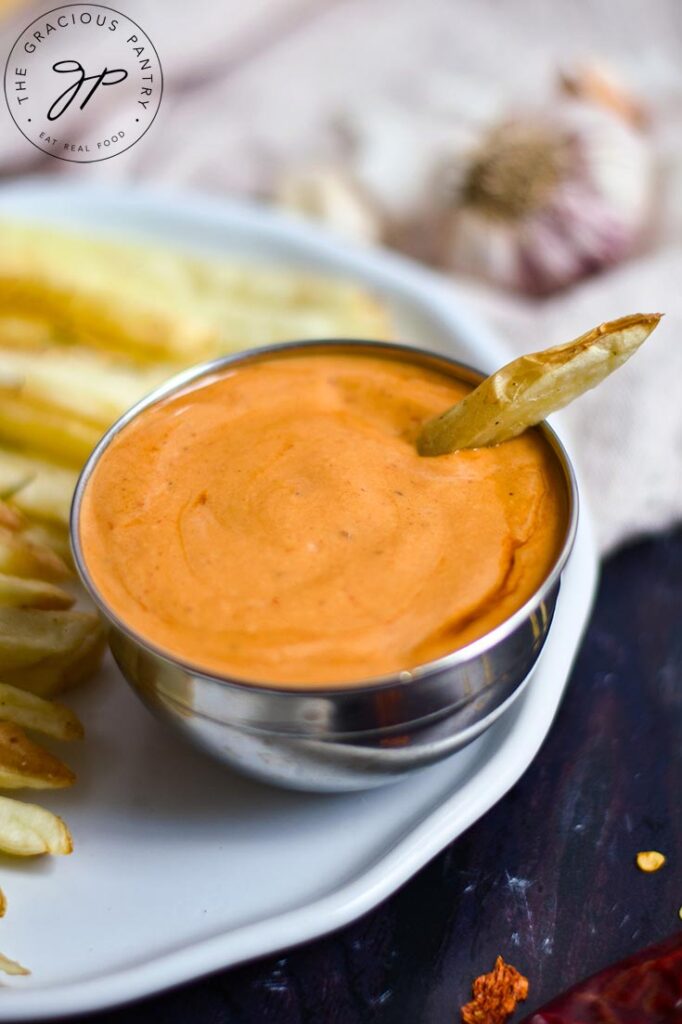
<point x="547" y="199"/>
<point x="324" y="193"/>
<point x="596" y="82"/>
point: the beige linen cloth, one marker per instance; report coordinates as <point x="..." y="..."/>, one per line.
<point x="254" y="88"/>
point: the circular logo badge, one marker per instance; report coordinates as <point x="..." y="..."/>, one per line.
<point x="83" y="82"/>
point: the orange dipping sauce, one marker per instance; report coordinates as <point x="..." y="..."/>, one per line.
<point x="275" y="524"/>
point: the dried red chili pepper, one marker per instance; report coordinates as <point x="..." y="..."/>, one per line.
<point x="643" y="989"/>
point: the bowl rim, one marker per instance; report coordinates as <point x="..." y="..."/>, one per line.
<point x="183" y="380"/>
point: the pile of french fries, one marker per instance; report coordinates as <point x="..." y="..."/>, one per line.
<point x="45" y="646"/>
<point x="87" y="328"/>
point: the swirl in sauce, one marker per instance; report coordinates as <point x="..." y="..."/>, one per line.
<point x="276" y="524"/>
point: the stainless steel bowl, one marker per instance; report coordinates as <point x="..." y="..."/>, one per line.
<point x="336" y="739"/>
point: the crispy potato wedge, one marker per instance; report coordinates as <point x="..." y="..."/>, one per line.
<point x="19" y="592"/>
<point x="27" y="830"/>
<point x="44" y="430"/>
<point x="44" y="716"/>
<point x="8" y="966"/>
<point x="24" y="764"/>
<point x="47" y="489"/>
<point x="46" y="652"/>
<point x="3" y="904"/>
<point x="530" y="388"/>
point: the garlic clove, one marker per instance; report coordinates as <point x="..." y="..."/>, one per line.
<point x="392" y="150"/>
<point x="619" y="163"/>
<point x="326" y="194"/>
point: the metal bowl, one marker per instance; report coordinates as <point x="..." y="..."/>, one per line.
<point x="336" y="739"/>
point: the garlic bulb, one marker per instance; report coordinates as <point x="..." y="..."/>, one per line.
<point x="547" y="198"/>
<point x="326" y="194"/>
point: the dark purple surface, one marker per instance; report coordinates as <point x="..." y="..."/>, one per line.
<point x="546" y="878"/>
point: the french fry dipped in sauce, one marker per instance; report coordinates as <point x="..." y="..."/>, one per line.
<point x="530" y="388"/>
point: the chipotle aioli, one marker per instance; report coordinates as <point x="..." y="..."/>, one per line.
<point x="275" y="523"/>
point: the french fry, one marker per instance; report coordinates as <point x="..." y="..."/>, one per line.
<point x="38" y="548"/>
<point x="30" y="559"/>
<point x="26" y="332"/>
<point x="22" y="555"/>
<point x="10" y="518"/>
<point x="84" y="385"/>
<point x="29" y="636"/>
<point x="44" y="430"/>
<point x="24" y="764"/>
<point x="46" y="652"/>
<point x="530" y="388"/>
<point x="152" y="304"/>
<point x="54" y="676"/>
<point x="52" y="537"/>
<point x="8" y="966"/>
<point x="27" y="830"/>
<point x="34" y="713"/>
<point x="273" y="287"/>
<point x="87" y="328"/>
<point x="247" y="326"/>
<point x="49" y="490"/>
<point x="18" y="592"/>
<point x="12" y="480"/>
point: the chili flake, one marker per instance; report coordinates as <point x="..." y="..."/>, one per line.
<point x="650" y="860"/>
<point x="495" y="995"/>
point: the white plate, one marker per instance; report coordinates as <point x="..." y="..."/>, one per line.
<point x="180" y="867"/>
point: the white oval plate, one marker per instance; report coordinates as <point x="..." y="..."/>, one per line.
<point x="180" y="867"/>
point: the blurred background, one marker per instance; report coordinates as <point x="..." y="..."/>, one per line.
<point x="530" y="151"/>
